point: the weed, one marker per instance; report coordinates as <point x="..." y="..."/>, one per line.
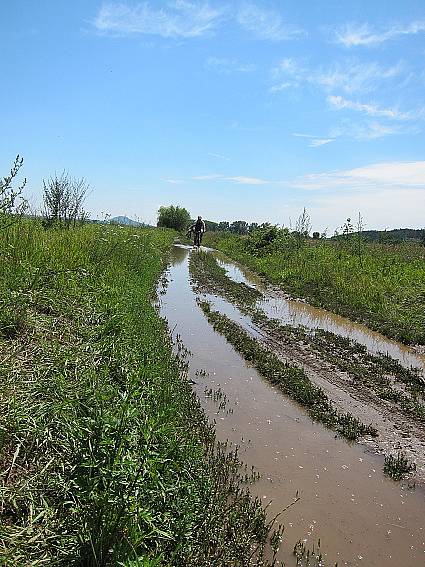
<point x="209" y="276"/>
<point x="398" y="466"/>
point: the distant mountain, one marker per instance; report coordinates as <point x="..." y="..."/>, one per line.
<point x="125" y="221"/>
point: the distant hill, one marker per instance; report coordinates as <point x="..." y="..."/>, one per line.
<point x="125" y="221"/>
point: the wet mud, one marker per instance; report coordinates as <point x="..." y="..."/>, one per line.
<point x="360" y="516"/>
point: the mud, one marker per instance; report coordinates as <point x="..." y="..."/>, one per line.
<point x="360" y="516"/>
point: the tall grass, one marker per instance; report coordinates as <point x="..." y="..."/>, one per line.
<point x="381" y="285"/>
<point x="105" y="455"/>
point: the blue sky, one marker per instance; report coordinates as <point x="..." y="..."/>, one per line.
<point x="236" y="110"/>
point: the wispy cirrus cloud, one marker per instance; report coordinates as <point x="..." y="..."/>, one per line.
<point x="314" y="141"/>
<point x="227" y="66"/>
<point x="340" y="103"/>
<point x="318" y="142"/>
<point x="378" y="176"/>
<point x="218" y="156"/>
<point x="371" y="129"/>
<point x="349" y="76"/>
<point x="207" y="177"/>
<point x="243" y="180"/>
<point x="353" y="35"/>
<point x="355" y="76"/>
<point x="239" y="179"/>
<point x="265" y="23"/>
<point x="189" y="19"/>
<point x="176" y="19"/>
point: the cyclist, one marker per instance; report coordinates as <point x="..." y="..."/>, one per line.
<point x="198" y="229"/>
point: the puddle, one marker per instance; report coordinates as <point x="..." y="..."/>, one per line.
<point x="293" y="312"/>
<point x="360" y="516"/>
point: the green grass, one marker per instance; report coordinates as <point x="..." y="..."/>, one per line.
<point x="397" y="467"/>
<point x="105" y="455"/>
<point x="207" y="275"/>
<point x="380" y="285"/>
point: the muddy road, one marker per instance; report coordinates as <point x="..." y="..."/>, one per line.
<point x="360" y="516"/>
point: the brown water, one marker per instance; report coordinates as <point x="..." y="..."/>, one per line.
<point x="360" y="516"/>
<point x="295" y="312"/>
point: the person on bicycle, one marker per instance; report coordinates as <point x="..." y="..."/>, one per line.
<point x="198" y="229"/>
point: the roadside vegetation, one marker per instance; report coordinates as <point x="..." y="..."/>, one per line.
<point x="105" y="454"/>
<point x="381" y="285"/>
<point x="397" y="466"/>
<point x="106" y="457"/>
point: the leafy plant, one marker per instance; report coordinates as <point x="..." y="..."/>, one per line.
<point x="12" y="203"/>
<point x="398" y="466"/>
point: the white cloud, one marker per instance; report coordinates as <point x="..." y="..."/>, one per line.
<point x="265" y="24"/>
<point x="317" y="142"/>
<point x="349" y="76"/>
<point x="362" y="35"/>
<point x="227" y="66"/>
<point x="178" y="19"/>
<point x="173" y="181"/>
<point x="353" y="76"/>
<point x="242" y="180"/>
<point x="190" y="18"/>
<point x="374" y="130"/>
<point x="281" y="87"/>
<point x="340" y="103"/>
<point x="377" y="176"/>
<point x="206" y="177"/>
<point x="218" y="156"/>
<point x="239" y="179"/>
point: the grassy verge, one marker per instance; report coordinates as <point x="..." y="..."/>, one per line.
<point x="208" y="276"/>
<point x="381" y="285"/>
<point x="105" y="455"/>
<point x="291" y="380"/>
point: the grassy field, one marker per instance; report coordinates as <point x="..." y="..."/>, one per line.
<point x="105" y="455"/>
<point x="381" y="285"/>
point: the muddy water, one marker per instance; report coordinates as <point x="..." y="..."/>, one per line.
<point x="361" y="517"/>
<point x="293" y="312"/>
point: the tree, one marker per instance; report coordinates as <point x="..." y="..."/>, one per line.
<point x="12" y="204"/>
<point x="174" y="217"/>
<point x="211" y="226"/>
<point x="223" y="226"/>
<point x="316" y="235"/>
<point x="63" y="198"/>
<point x="239" y="227"/>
